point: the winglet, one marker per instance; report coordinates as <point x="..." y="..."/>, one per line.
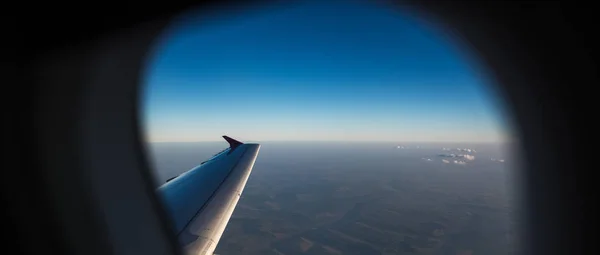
<point x="232" y="142"/>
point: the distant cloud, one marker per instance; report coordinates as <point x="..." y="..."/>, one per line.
<point x="447" y="155"/>
<point x="499" y="160"/>
<point x="468" y="157"/>
<point x="465" y="156"/>
<point x="460" y="162"/>
<point x="446" y="149"/>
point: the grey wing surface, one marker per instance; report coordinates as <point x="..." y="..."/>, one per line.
<point x="201" y="200"/>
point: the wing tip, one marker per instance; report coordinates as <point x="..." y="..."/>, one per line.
<point x="232" y="142"/>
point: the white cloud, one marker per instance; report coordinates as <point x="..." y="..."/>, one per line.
<point x="469" y="157"/>
<point x="460" y="162"/>
<point x="447" y="155"/>
<point x="465" y="156"/>
<point x="461" y="149"/>
<point x="446" y="161"/>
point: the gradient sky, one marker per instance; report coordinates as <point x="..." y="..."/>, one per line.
<point x="316" y="71"/>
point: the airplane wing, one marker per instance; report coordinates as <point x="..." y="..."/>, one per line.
<point x="201" y="200"/>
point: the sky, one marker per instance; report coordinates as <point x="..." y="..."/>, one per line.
<point x="316" y="71"/>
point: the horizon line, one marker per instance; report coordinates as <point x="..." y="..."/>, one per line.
<point x="355" y="141"/>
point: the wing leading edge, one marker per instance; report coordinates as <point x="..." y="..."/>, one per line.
<point x="201" y="200"/>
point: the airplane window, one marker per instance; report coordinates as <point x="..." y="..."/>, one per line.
<point x="379" y="131"/>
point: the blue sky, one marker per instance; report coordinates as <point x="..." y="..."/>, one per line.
<point x="315" y="71"/>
